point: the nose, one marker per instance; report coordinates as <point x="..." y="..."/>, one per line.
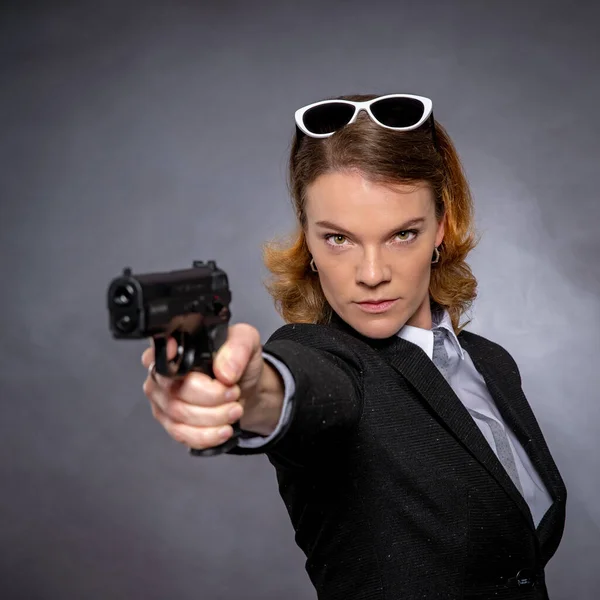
<point x="373" y="270"/>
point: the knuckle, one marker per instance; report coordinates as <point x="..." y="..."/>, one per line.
<point x="253" y="337"/>
<point x="246" y="336"/>
<point x="147" y="357"/>
<point x="159" y="415"/>
<point x="177" y="432"/>
<point x="150" y="387"/>
<point x="214" y="395"/>
<point x="209" y="418"/>
<point x="193" y="388"/>
<point x="231" y="413"/>
<point x="246" y="330"/>
<point x="203" y="385"/>
<point x="202" y="439"/>
<point x="162" y="382"/>
<point x="178" y="411"/>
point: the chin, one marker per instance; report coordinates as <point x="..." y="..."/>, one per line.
<point x="378" y="327"/>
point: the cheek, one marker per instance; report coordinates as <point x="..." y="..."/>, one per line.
<point x="335" y="283"/>
<point x="416" y="270"/>
<point x="332" y="279"/>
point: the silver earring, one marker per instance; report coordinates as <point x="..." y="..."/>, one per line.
<point x="312" y="265"/>
<point x="436" y="254"/>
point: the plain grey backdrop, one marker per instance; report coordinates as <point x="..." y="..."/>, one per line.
<point x="151" y="134"/>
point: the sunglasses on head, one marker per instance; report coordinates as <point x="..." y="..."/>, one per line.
<point x="400" y="112"/>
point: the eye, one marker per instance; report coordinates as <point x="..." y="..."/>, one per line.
<point x="403" y="235"/>
<point x="335" y="239"/>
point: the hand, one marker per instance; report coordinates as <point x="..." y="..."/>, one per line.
<point x="198" y="410"/>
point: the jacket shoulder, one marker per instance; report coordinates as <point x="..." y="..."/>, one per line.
<point x="324" y="341"/>
<point x="489" y="351"/>
<point x="321" y="337"/>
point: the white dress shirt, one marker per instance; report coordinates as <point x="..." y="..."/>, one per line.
<point x="470" y="387"/>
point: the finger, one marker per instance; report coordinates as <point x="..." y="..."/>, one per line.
<point x="153" y="380"/>
<point x="148" y="357"/>
<point x="232" y="358"/>
<point x="199" y="395"/>
<point x="193" y="437"/>
<point x="202" y="390"/>
<point x="155" y="393"/>
<point x="201" y="416"/>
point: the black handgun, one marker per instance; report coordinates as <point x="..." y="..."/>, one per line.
<point x="190" y="305"/>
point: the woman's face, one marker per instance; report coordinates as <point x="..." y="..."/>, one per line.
<point x="372" y="243"/>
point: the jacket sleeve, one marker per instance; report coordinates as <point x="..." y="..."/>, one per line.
<point x="327" y="401"/>
<point x="255" y="440"/>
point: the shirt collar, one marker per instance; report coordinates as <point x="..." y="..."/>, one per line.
<point x="423" y="338"/>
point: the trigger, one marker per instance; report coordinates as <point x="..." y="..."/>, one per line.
<point x="178" y="337"/>
<point x="177" y="365"/>
<point x="160" y="356"/>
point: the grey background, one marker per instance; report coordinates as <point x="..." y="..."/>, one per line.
<point x="154" y="133"/>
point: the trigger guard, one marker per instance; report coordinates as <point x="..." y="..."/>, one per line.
<point x="183" y="361"/>
<point x="186" y="353"/>
<point x="161" y="363"/>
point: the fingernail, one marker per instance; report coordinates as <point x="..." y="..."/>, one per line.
<point x="231" y="394"/>
<point x="224" y="432"/>
<point x="229" y="370"/>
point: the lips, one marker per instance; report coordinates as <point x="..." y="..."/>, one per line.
<point x="376" y="306"/>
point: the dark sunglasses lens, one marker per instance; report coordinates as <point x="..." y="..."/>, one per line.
<point x="398" y="112"/>
<point x="327" y="118"/>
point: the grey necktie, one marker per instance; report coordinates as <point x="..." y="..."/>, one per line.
<point x="440" y="356"/>
<point x="503" y="449"/>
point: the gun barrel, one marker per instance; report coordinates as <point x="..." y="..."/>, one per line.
<point x="145" y="305"/>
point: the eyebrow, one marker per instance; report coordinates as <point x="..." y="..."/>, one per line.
<point x="403" y="227"/>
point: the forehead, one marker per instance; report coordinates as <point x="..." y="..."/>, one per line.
<point x="351" y="196"/>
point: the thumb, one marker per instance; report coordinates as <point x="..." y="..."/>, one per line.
<point x="231" y="360"/>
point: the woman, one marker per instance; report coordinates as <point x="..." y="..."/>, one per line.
<point x="407" y="456"/>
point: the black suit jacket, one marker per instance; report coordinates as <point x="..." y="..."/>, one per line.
<point x="391" y="487"/>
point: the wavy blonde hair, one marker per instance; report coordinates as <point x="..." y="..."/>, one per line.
<point x="387" y="157"/>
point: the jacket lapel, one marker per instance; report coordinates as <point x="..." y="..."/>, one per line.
<point x="511" y="403"/>
<point x="414" y="365"/>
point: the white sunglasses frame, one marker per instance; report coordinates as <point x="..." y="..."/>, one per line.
<point x="366" y="106"/>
